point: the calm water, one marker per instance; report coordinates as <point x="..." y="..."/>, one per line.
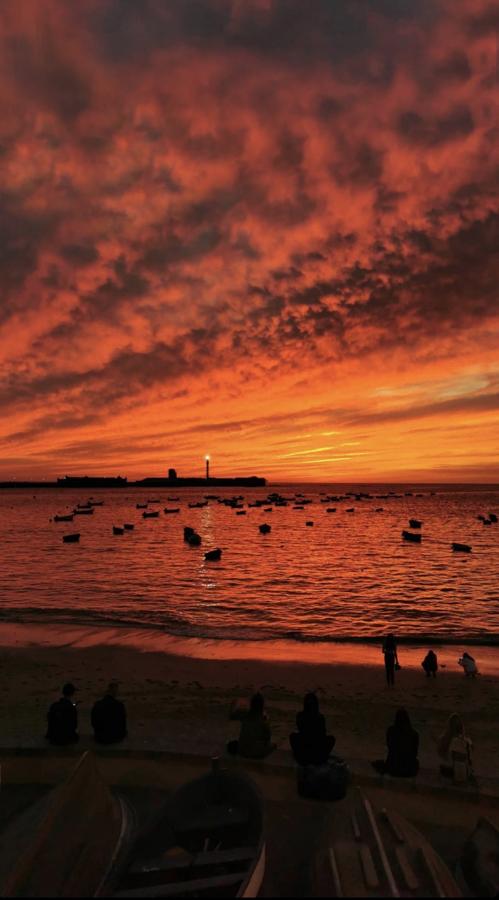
<point x="350" y="576"/>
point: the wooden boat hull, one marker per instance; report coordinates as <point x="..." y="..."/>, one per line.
<point x="413" y="537"/>
<point x="209" y="839"/>
<point x="369" y="853"/>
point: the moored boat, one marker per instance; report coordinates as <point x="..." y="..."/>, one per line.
<point x="71" y="538"/>
<point x="461" y="548"/>
<point x="413" y="536"/>
<point x="118" y="530"/>
<point x="68" y="518"/>
<point x="213" y="555"/>
<point x="84" y="511"/>
<point x="128" y="526"/>
<point x="167" y="510"/>
<point x="150" y="515"/>
<point x="264" y="528"/>
<point x="415" y="523"/>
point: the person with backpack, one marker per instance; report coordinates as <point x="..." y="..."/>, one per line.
<point x="62" y="718"/>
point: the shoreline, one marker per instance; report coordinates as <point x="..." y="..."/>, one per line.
<point x="178" y="691"/>
<point x="306" y="653"/>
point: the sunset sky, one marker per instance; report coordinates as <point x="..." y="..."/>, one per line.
<point x="267" y="230"/>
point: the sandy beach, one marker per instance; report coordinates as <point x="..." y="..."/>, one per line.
<point x="178" y="692"/>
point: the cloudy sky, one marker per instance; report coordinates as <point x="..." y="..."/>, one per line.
<point x="263" y="229"/>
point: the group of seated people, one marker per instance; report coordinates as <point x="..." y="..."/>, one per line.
<point x="108" y="718"/>
<point x="311" y="744"/>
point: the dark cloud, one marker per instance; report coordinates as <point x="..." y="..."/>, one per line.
<point x="79" y="254"/>
<point x="431" y="131"/>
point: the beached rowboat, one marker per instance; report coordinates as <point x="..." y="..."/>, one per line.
<point x="209" y="842"/>
<point x="369" y="853"/>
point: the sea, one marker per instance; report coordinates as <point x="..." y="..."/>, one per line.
<point x="349" y="576"/>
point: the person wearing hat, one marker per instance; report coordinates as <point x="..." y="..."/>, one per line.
<point x="62" y="718"/>
<point x="109" y="717"/>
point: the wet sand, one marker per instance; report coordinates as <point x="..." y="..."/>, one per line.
<point x="180" y="690"/>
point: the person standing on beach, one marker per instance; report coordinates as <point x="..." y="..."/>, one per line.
<point x="391" y="658"/>
<point x="430" y="664"/>
<point x="62" y="718"/>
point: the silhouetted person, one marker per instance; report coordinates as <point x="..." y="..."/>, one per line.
<point x="468" y="664"/>
<point x="254" y="736"/>
<point x="62" y="718"/>
<point x="430" y="664"/>
<point x="109" y="717"/>
<point x="402" y="742"/>
<point x="391" y="658"/>
<point x="454" y="748"/>
<point x="311" y="745"/>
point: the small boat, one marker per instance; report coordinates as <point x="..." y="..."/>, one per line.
<point x="71" y="538"/>
<point x="128" y="526"/>
<point x="298" y="507"/>
<point x="309" y="523"/>
<point x="493" y="517"/>
<point x="166" y="510"/>
<point x="478" y="861"/>
<point x="118" y="530"/>
<point x="79" y="821"/>
<point x="264" y="528"/>
<point x="86" y="505"/>
<point x="331" y="509"/>
<point x="188" y="531"/>
<point x="83" y="511"/>
<point x="96" y="502"/>
<point x="173" y="499"/>
<point x="199" y="505"/>
<point x="487" y="522"/>
<point x="481" y="518"/>
<point x="241" y="512"/>
<point x="150" y="515"/>
<point x="461" y="548"/>
<point x="350" y="509"/>
<point x="68" y="518"/>
<point x="213" y="555"/>
<point x="369" y="853"/>
<point x="415" y="523"/>
<point x="194" y="539"/>
<point x="379" y="509"/>
<point x="209" y="841"/>
<point x="413" y="536"/>
<point x="141" y="506"/>
<point x="268" y="509"/>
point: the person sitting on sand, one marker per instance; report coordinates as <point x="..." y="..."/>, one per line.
<point x="402" y="742"/>
<point x="391" y="659"/>
<point x="455" y="747"/>
<point x="109" y="717"/>
<point x="311" y="745"/>
<point x="254" y="737"/>
<point x="430" y="664"/>
<point x="468" y="664"/>
<point x="62" y="718"/>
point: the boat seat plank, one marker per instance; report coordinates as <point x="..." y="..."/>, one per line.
<point x="408" y="873"/>
<point x="191" y="860"/>
<point x="212" y="818"/>
<point x="338" y="890"/>
<point x="178" y="888"/>
<point x="350" y="871"/>
<point x="368" y="868"/>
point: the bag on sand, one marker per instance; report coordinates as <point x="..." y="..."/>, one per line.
<point x="328" y="781"/>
